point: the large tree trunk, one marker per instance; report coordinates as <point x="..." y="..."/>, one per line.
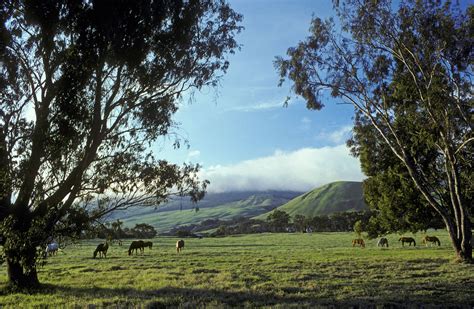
<point x="21" y="269"/>
<point x="462" y="242"/>
<point x="20" y="250"/>
<point x="465" y="254"/>
<point x="21" y="279"/>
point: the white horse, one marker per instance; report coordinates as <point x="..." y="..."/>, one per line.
<point x="52" y="248"/>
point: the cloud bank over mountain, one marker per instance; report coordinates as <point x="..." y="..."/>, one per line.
<point x="299" y="170"/>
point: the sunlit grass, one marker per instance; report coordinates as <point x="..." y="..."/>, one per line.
<point x="253" y="270"/>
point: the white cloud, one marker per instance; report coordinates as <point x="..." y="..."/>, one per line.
<point x="305" y="120"/>
<point x="305" y="124"/>
<point x="193" y="154"/>
<point x="336" y="137"/>
<point x="258" y="106"/>
<point x="300" y="170"/>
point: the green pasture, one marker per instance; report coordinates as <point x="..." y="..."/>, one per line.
<point x="274" y="270"/>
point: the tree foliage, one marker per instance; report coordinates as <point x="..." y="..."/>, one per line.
<point x="87" y="88"/>
<point x="407" y="72"/>
<point x="278" y="220"/>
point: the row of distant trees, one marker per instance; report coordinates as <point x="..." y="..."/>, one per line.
<point x="116" y="230"/>
<point x="278" y="221"/>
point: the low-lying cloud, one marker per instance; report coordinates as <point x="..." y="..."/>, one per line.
<point x="300" y="170"/>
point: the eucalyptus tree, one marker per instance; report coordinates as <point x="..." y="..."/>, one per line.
<point x="406" y="68"/>
<point x="87" y="87"/>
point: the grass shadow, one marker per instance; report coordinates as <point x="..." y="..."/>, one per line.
<point x="198" y="297"/>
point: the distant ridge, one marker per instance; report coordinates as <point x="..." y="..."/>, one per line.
<point x="334" y="197"/>
<point x="222" y="206"/>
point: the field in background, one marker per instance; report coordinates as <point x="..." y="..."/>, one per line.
<point x="316" y="269"/>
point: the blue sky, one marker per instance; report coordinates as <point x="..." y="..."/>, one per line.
<point x="242" y="135"/>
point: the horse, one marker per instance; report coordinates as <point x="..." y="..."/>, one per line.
<point x="179" y="245"/>
<point x="102" y="250"/>
<point x="136" y="245"/>
<point x="409" y="240"/>
<point x="52" y="248"/>
<point x="382" y="242"/>
<point x="431" y="239"/>
<point x="358" y="241"/>
<point x="148" y="244"/>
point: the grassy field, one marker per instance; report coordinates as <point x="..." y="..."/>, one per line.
<point x="275" y="270"/>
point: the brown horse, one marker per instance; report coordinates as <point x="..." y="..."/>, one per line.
<point x="136" y="245"/>
<point x="358" y="241"/>
<point x="431" y="239"/>
<point x="409" y="240"/>
<point x="179" y="245"/>
<point x="148" y="244"/>
<point x="102" y="250"/>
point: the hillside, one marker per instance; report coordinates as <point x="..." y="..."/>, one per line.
<point x="223" y="206"/>
<point x="334" y="197"/>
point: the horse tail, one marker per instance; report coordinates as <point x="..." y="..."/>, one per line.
<point x="414" y="243"/>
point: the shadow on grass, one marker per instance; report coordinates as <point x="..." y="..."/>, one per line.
<point x="198" y="297"/>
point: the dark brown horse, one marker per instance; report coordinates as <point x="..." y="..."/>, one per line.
<point x="431" y="239"/>
<point x="179" y="245"/>
<point x="409" y="240"/>
<point x="136" y="245"/>
<point x="102" y="250"/>
<point x="382" y="242"/>
<point x="148" y="244"/>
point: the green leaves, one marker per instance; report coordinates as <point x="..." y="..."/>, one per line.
<point x="402" y="71"/>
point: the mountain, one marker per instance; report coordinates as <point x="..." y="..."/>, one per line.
<point x="223" y="206"/>
<point x="334" y="197"/>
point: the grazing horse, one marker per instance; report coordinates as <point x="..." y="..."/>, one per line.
<point x="358" y="241"/>
<point x="148" y="244"/>
<point x="136" y="245"/>
<point x="52" y="249"/>
<point x="179" y="245"/>
<point x="409" y="240"/>
<point x="102" y="250"/>
<point x="382" y="242"/>
<point x="431" y="239"/>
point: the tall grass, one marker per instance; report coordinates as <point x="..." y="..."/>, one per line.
<point x="304" y="270"/>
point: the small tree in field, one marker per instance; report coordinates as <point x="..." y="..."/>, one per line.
<point x="358" y="228"/>
<point x="300" y="222"/>
<point x="278" y="220"/>
<point x="86" y="88"/>
<point x="143" y="230"/>
<point x="408" y="75"/>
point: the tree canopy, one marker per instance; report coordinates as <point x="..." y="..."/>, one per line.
<point x="87" y="88"/>
<point x="407" y="72"/>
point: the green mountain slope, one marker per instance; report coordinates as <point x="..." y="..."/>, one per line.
<point x="334" y="197"/>
<point x="242" y="204"/>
